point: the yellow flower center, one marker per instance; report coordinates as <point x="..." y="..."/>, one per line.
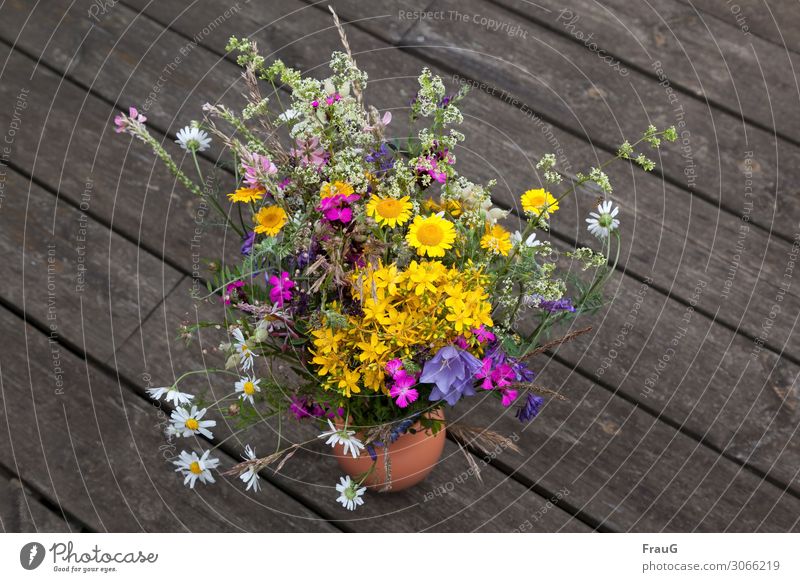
<point x="390" y="208"/>
<point x="249" y="388"/>
<point x="195" y="468"/>
<point x="270" y="218"/>
<point x="430" y="234"/>
<point x="192" y="424"/>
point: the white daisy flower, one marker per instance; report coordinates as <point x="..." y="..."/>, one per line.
<point x="193" y="139"/>
<point x="603" y="222"/>
<point x="243" y="349"/>
<point x="187" y="423"/>
<point x="251" y="477"/>
<point x="173" y="395"/>
<point x="193" y="467"/>
<point x="350" y="493"/>
<point x="342" y="437"/>
<point x="531" y="241"/>
<point x="247" y="387"/>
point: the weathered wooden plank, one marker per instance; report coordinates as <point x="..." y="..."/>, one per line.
<point x="499" y="504"/>
<point x="90" y="445"/>
<point x="775" y="20"/>
<point x="569" y="84"/>
<point x="628" y="470"/>
<point x="706" y="56"/>
<point x="66" y="139"/>
<point x="22" y="512"/>
<point x="73" y="277"/>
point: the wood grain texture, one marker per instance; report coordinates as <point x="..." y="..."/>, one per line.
<point x="570" y="86"/>
<point x="777" y="21"/>
<point x="93" y="447"/>
<point x="707" y="57"/>
<point x="22" y="512"/>
<point x="77" y="280"/>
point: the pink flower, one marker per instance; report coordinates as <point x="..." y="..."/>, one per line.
<point x="483" y="335"/>
<point x="332" y="98"/>
<point x="309" y="153"/>
<point x="431" y="169"/>
<point x="336" y="207"/>
<point x="121" y="121"/>
<point x="402" y="389"/>
<point x="232" y="289"/>
<point x="509" y="396"/>
<point x="394" y="366"/>
<point x="281" y="287"/>
<point x="499" y="377"/>
<point x="256" y="168"/>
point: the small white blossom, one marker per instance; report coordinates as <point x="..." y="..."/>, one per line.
<point x="531" y="241"/>
<point x="193" y="467"/>
<point x="603" y="222"/>
<point x="289" y="115"/>
<point x="251" y="476"/>
<point x="244" y="351"/>
<point x="190" y="422"/>
<point x="342" y="437"/>
<point x="173" y="395"/>
<point x="247" y="387"/>
<point x="350" y="493"/>
<point x="193" y="139"/>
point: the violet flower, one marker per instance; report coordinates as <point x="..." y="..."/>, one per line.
<point x="553" y="306"/>
<point x="247" y="242"/>
<point x="453" y="372"/>
<point x="531" y="407"/>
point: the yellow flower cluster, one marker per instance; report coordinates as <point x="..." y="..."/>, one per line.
<point x="426" y="305"/>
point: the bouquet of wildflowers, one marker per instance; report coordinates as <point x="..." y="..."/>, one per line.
<point x="388" y="281"/>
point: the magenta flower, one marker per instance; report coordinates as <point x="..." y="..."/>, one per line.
<point x="495" y="376"/>
<point x="432" y="170"/>
<point x="509" y="396"/>
<point x="402" y="389"/>
<point x="281" y="289"/>
<point x="232" y="291"/>
<point x="483" y="335"/>
<point x="309" y="153"/>
<point x="337" y="207"/>
<point x="394" y="366"/>
<point x="333" y="98"/>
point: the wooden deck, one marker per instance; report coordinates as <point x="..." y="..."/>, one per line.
<point x="684" y="421"/>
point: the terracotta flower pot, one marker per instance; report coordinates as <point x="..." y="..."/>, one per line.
<point x="412" y="457"/>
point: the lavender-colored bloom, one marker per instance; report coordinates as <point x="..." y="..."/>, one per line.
<point x="247" y="242"/>
<point x="563" y="304"/>
<point x="531" y="407"/>
<point x="453" y="371"/>
<point x="383" y="157"/>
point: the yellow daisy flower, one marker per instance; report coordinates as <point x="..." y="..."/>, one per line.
<point x="389" y="211"/>
<point x="246" y="195"/>
<point x="538" y="202"/>
<point x="332" y="189"/>
<point x="497" y="240"/>
<point x="270" y="220"/>
<point x="432" y="235"/>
